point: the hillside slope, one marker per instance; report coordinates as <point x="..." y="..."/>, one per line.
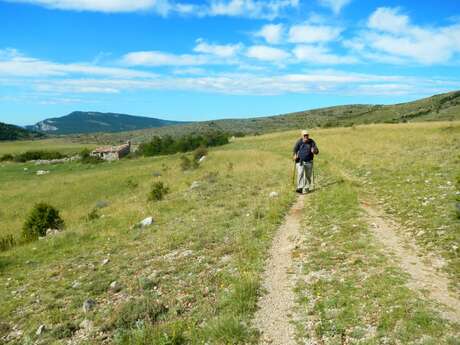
<point x="12" y="132"/>
<point x="89" y="122"/>
<point x="436" y="108"/>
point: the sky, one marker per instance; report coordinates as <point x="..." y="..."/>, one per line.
<point x="199" y="60"/>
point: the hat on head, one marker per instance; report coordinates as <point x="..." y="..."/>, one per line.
<point x="305" y="132"/>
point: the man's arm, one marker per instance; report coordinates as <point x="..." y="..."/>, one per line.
<point x="314" y="148"/>
<point x="296" y="149"/>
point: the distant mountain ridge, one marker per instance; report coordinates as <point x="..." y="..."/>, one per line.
<point x="12" y="132"/>
<point x="91" y="122"/>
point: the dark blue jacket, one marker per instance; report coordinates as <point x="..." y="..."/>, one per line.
<point x="303" y="150"/>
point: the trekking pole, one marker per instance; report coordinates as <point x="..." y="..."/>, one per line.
<point x="293" y="175"/>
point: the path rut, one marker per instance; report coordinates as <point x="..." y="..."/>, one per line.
<point x="276" y="306"/>
<point x="422" y="269"/>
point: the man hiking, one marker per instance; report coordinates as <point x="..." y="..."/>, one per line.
<point x="304" y="151"/>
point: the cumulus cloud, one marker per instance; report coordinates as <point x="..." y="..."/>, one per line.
<point x="220" y="50"/>
<point x="160" y="6"/>
<point x="158" y="58"/>
<point x="268" y="9"/>
<point x="272" y="33"/>
<point x="335" y="5"/>
<point x="266" y="53"/>
<point x="307" y="33"/>
<point x="320" y="55"/>
<point x="392" y="38"/>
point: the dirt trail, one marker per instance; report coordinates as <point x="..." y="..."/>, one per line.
<point x="423" y="270"/>
<point x="275" y="308"/>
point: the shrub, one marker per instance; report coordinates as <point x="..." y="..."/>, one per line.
<point x="132" y="184"/>
<point x="64" y="330"/>
<point x="41" y="218"/>
<point x="144" y="310"/>
<point x="7" y="158"/>
<point x="200" y="152"/>
<point x="35" y="155"/>
<point x="158" y="191"/>
<point x="93" y="215"/>
<point x="187" y="163"/>
<point x="86" y="157"/>
<point x="6" y="242"/>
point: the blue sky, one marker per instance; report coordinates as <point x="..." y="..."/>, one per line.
<point x="198" y="60"/>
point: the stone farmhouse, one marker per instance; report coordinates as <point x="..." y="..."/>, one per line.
<point x="112" y="153"/>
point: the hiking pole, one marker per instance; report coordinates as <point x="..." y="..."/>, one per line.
<point x="293" y="175"/>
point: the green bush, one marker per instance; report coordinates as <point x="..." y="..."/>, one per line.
<point x="187" y="163"/>
<point x="158" y="191"/>
<point x="200" y="152"/>
<point x="7" y="158"/>
<point x="35" y="155"/>
<point x="86" y="157"/>
<point x="41" y="218"/>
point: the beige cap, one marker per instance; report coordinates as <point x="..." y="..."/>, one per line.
<point x="305" y="132"/>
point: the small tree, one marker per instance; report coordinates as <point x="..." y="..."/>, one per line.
<point x="158" y="191"/>
<point x="42" y="217"/>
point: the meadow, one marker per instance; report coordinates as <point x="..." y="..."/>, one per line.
<point x="193" y="277"/>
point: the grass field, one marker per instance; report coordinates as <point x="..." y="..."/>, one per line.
<point x="193" y="276"/>
<point x="64" y="146"/>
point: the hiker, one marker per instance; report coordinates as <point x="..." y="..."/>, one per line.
<point x="304" y="151"/>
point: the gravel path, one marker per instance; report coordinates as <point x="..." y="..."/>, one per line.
<point x="275" y="307"/>
<point x="424" y="271"/>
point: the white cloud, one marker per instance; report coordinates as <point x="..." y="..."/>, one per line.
<point x="266" y="53"/>
<point x="388" y="20"/>
<point x="13" y="63"/>
<point x="157" y="58"/>
<point x="268" y="9"/>
<point x="272" y="33"/>
<point x="392" y="38"/>
<point x="160" y="6"/>
<point x="307" y="33"/>
<point x="223" y="51"/>
<point x="335" y="5"/>
<point x="320" y="55"/>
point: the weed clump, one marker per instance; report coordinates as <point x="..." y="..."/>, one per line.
<point x="7" y="158"/>
<point x="36" y="155"/>
<point x="42" y="217"/>
<point x="6" y="242"/>
<point x="158" y="191"/>
<point x="187" y="163"/>
<point x="139" y="311"/>
<point x="93" y="215"/>
<point x="65" y="330"/>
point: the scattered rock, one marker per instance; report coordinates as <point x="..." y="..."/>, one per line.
<point x="195" y="184"/>
<point x="42" y="172"/>
<point x="156" y="174"/>
<point x="52" y="232"/>
<point x="105" y="261"/>
<point x="202" y="159"/>
<point x="76" y="284"/>
<point x="115" y="286"/>
<point x="102" y="204"/>
<point x="26" y="169"/>
<point x="273" y="195"/>
<point x="146" y="222"/>
<point x="40" y="330"/>
<point x="86" y="324"/>
<point x="88" y="305"/>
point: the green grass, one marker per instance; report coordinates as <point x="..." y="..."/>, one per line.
<point x="200" y="262"/>
<point x="349" y="292"/>
<point x="64" y="146"/>
<point x="202" y="257"/>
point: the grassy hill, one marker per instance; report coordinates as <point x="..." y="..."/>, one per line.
<point x="11" y="132"/>
<point x="193" y="277"/>
<point x="436" y="108"/>
<point x="89" y="122"/>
